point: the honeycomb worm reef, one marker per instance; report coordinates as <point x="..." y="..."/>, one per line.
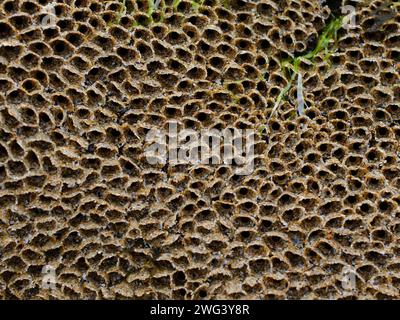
<point x="83" y="81"/>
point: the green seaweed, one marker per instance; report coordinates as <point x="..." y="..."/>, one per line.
<point x="196" y="4"/>
<point x="151" y="9"/>
<point x="175" y="4"/>
<point x="290" y="67"/>
<point x="122" y="11"/>
<point x="225" y="3"/>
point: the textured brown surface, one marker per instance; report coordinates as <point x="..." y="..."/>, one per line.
<point x="76" y="192"/>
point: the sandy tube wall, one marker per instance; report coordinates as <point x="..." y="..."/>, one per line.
<point x="84" y="214"/>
